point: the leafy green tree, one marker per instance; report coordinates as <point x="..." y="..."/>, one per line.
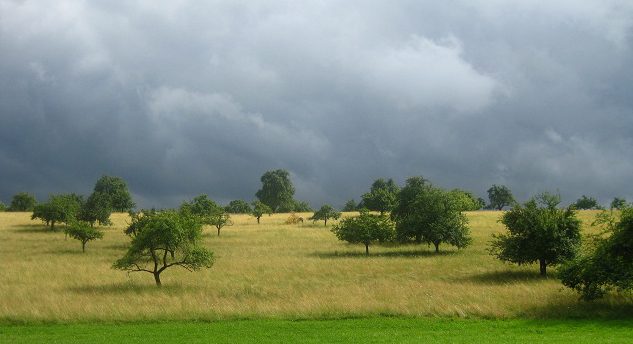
<point x="84" y="232"/>
<point x="294" y="206"/>
<point x="302" y="207"/>
<point x="219" y="219"/>
<point x="2" y="207"/>
<point x="238" y="207"/>
<point x="350" y="206"/>
<point x="429" y="214"/>
<point x="618" y="203"/>
<point x="326" y="212"/>
<point x="365" y="229"/>
<point x="259" y="209"/>
<point x="500" y="197"/>
<point x="381" y="196"/>
<point x="22" y="202"/>
<point x="117" y="191"/>
<point x="164" y="239"/>
<point x="200" y="205"/>
<point x="96" y="209"/>
<point x="607" y="264"/>
<point x="585" y="203"/>
<point x="538" y="232"/>
<point x="58" y="209"/>
<point x="277" y="189"/>
<point x="467" y="200"/>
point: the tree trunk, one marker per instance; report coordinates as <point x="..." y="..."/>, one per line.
<point x="258" y="220"/>
<point x="326" y="221"/>
<point x="367" y="249"/>
<point x="437" y="247"/>
<point x="543" y="267"/>
<point x="53" y="225"/>
<point x="418" y="239"/>
<point x="218" y="231"/>
<point x="83" y="246"/>
<point x="157" y="278"/>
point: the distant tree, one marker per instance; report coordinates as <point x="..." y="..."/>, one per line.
<point x="467" y="200"/>
<point x="58" y="209"/>
<point x="238" y="207"/>
<point x="2" y="207"/>
<point x="23" y="202"/>
<point x="302" y="207"/>
<point x="200" y="205"/>
<point x="618" y="203"/>
<point x="326" y="212"/>
<point x="259" y="209"/>
<point x="277" y="189"/>
<point x="117" y="191"/>
<point x="350" y="206"/>
<point x="500" y="196"/>
<point x="365" y="229"/>
<point x="96" y="209"/>
<point x="585" y="203"/>
<point x="429" y="214"/>
<point x="164" y="239"/>
<point x="219" y="218"/>
<point x="607" y="264"/>
<point x="538" y="232"/>
<point x="83" y="231"/>
<point x="381" y="196"/>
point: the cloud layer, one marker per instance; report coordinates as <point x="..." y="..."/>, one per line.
<point x="185" y="98"/>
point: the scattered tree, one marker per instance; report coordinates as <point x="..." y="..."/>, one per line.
<point x="429" y="214"/>
<point x="538" y="232"/>
<point x="2" y="207"/>
<point x="467" y="200"/>
<point x="164" y="239"/>
<point x="117" y="192"/>
<point x="58" y="209"/>
<point x="365" y="229"/>
<point x="585" y="203"/>
<point x="607" y="264"/>
<point x="201" y="206"/>
<point x="618" y="203"/>
<point x="350" y="206"/>
<point x="84" y="232"/>
<point x="218" y="218"/>
<point x="326" y="212"/>
<point x="381" y="196"/>
<point x="96" y="209"/>
<point x="500" y="196"/>
<point x="302" y="207"/>
<point x="238" y="207"/>
<point x="22" y="202"/>
<point x="259" y="209"/>
<point x="277" y="189"/>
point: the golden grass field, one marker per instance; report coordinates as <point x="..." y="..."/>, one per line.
<point x="273" y="270"/>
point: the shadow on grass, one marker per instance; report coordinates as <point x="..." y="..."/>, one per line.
<point x="35" y="228"/>
<point x="131" y="288"/>
<point x="613" y="306"/>
<point x="506" y="277"/>
<point x="389" y="254"/>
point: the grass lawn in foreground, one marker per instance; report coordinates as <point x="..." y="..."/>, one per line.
<point x="362" y="330"/>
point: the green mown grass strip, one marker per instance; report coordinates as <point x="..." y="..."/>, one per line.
<point x="365" y="330"/>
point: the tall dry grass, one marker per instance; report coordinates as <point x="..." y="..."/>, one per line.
<point x="274" y="270"/>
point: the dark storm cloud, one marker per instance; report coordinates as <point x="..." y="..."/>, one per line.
<point x="184" y="98"/>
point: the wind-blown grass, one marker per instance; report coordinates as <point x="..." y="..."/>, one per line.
<point x="273" y="270"/>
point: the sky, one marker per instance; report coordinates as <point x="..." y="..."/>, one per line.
<point x="181" y="98"/>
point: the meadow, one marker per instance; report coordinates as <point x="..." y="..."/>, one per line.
<point x="277" y="271"/>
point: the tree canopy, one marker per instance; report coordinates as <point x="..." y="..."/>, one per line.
<point x="586" y="203"/>
<point x="164" y="239"/>
<point x="83" y="231"/>
<point x="365" y="229"/>
<point x="96" y="209"/>
<point x="381" y="196"/>
<point x="201" y="206"/>
<point x="607" y="264"/>
<point x="259" y="209"/>
<point x="238" y="206"/>
<point x="538" y="232"/>
<point x="500" y="197"/>
<point x="326" y="212"/>
<point x="58" y="209"/>
<point x="425" y="213"/>
<point x="22" y="201"/>
<point x="618" y="203"/>
<point x="467" y="200"/>
<point x="277" y="190"/>
<point x="117" y="192"/>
